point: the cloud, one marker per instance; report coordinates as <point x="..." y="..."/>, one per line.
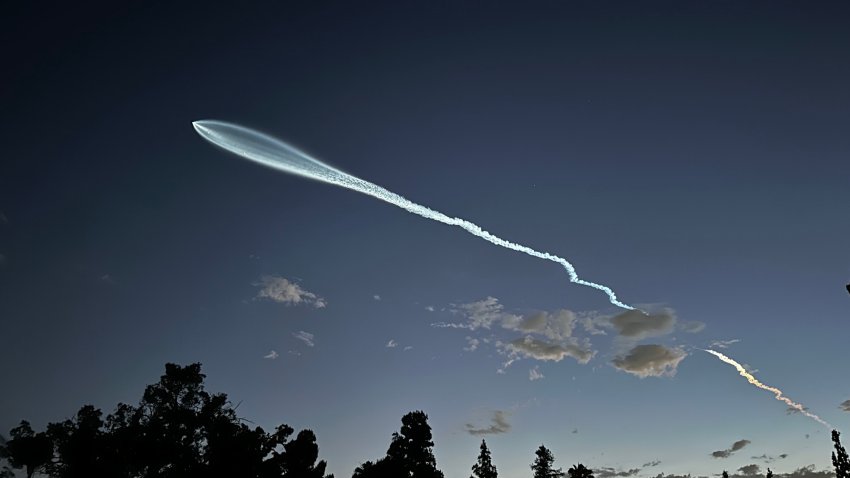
<point x="650" y="361"/>
<point x="271" y="355"/>
<point x="750" y="470"/>
<point x="471" y="344"/>
<point x="391" y="344"/>
<point x="808" y="472"/>
<point x="305" y="337"/>
<point x="535" y="374"/>
<point x="592" y="325"/>
<point x="429" y="308"/>
<point x="498" y="424"/>
<point x="281" y="290"/>
<point x="557" y="325"/>
<point x="770" y="459"/>
<point x="481" y="314"/>
<point x="529" y="347"/>
<point x="636" y="325"/>
<point x="729" y="451"/>
<point x="607" y="472"/>
<point x="723" y="344"/>
<point x="791" y="410"/>
<point x="692" y="326"/>
<point x="845" y="405"/>
<point x="294" y="352"/>
<point x="651" y="463"/>
<point x="376" y="297"/>
<point x="409" y="347"/>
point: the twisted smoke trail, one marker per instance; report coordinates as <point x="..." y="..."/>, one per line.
<point x="778" y="393"/>
<point x="276" y="154"/>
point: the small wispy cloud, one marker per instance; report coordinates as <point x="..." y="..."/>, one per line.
<point x="845" y="405"/>
<point x="429" y="308"/>
<point x="271" y="355"/>
<point x="738" y="445"/>
<point x="406" y="348"/>
<point x="471" y="344"/>
<point x="723" y="344"/>
<point x="692" y="326"/>
<point x="306" y="337"/>
<point x="282" y="290"/>
<point x="535" y="374"/>
<point x="391" y="344"/>
<point x="498" y="425"/>
<point x="376" y="297"/>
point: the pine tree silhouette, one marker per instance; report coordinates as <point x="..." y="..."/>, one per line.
<point x="542" y="465"/>
<point x="484" y="468"/>
<point x="839" y="457"/>
<point x="769" y="474"/>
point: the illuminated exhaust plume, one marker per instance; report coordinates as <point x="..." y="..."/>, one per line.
<point x="778" y="393"/>
<point x="276" y="154"/>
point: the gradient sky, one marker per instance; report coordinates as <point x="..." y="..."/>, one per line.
<point x="694" y="156"/>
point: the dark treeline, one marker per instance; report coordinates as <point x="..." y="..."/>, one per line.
<point x="179" y="430"/>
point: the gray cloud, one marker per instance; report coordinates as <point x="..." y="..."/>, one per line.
<point x="845" y="405"/>
<point x="729" y="451"/>
<point x="472" y="344"/>
<point x="557" y="325"/>
<point x="529" y="347"/>
<point x="750" y="470"/>
<point x="723" y="344"/>
<point x="271" y="355"/>
<point x="607" y="472"/>
<point x="808" y="472"/>
<point x="650" y="361"/>
<point x="499" y="424"/>
<point x="391" y="344"/>
<point x="281" y="290"/>
<point x="692" y="326"/>
<point x="376" y="297"/>
<point x="636" y="325"/>
<point x="306" y="337"/>
<point x="770" y="459"/>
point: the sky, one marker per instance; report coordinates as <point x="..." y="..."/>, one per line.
<point x="693" y="156"/>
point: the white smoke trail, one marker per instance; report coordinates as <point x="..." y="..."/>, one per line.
<point x="777" y="393"/>
<point x="276" y="154"/>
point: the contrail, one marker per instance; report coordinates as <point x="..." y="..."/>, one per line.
<point x="778" y="393"/>
<point x="276" y="154"/>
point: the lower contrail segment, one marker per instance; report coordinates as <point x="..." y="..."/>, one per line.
<point x="276" y="154"/>
<point x="776" y="392"/>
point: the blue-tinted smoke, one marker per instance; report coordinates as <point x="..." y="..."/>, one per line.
<point x="276" y="154"/>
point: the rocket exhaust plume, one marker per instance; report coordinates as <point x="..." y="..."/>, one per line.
<point x="775" y="391"/>
<point x="276" y="154"/>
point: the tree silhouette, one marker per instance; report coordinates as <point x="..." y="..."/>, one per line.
<point x="484" y="468"/>
<point x="580" y="471"/>
<point x="410" y="452"/>
<point x="725" y="475"/>
<point x="769" y="473"/>
<point x="839" y="457"/>
<point x="27" y="449"/>
<point x="542" y="465"/>
<point x="178" y="430"/>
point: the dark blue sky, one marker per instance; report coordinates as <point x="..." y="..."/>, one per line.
<point x="691" y="155"/>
